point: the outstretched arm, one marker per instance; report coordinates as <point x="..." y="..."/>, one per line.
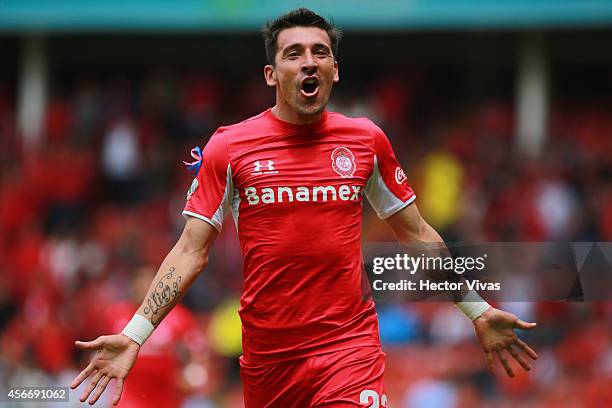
<point x="117" y="353"/>
<point x="494" y="328"/>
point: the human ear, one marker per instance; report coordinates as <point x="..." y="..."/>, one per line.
<point x="336" y="72"/>
<point x="270" y="75"/>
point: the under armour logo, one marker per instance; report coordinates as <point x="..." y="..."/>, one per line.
<point x="257" y="166"/>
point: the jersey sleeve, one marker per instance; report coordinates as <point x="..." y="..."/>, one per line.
<point x="387" y="188"/>
<point x="209" y="196"/>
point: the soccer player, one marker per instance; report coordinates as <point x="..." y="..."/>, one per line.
<point x="294" y="178"/>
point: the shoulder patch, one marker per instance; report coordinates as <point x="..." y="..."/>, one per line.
<point x="193" y="188"/>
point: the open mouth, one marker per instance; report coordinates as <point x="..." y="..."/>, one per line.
<point x="310" y="87"/>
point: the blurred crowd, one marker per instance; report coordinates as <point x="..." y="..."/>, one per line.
<point x="95" y="204"/>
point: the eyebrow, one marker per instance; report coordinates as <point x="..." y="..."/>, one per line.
<point x="300" y="45"/>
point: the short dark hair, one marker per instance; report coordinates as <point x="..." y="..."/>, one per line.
<point x="301" y="17"/>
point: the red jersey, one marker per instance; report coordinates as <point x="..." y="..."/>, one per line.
<point x="296" y="193"/>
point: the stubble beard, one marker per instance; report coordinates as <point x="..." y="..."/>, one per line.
<point x="303" y="108"/>
<point x="309" y="109"/>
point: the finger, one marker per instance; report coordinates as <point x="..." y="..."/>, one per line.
<point x="490" y="362"/>
<point x="82" y="376"/>
<point x="118" y="391"/>
<point x="100" y="389"/>
<point x="504" y="362"/>
<point x="518" y="358"/>
<point x="520" y="324"/>
<point x="528" y="350"/>
<point x="90" y="345"/>
<point x="90" y="387"/>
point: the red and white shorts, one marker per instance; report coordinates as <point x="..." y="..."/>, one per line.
<point x="346" y="378"/>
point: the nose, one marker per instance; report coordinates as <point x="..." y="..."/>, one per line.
<point x="309" y="65"/>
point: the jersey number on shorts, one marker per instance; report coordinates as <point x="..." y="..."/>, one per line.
<point x="377" y="402"/>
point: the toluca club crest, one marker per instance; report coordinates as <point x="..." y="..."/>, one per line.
<point x="343" y="162"/>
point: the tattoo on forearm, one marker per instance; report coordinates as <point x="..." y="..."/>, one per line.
<point x="165" y="293"/>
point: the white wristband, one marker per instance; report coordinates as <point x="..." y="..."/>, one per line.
<point x="473" y="305"/>
<point x="138" y="329"/>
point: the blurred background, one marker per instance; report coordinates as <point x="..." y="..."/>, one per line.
<point x="499" y="111"/>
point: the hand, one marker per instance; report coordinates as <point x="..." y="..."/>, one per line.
<point x="114" y="358"/>
<point x="495" y="332"/>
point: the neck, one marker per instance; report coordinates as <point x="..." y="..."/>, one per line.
<point x="286" y="114"/>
